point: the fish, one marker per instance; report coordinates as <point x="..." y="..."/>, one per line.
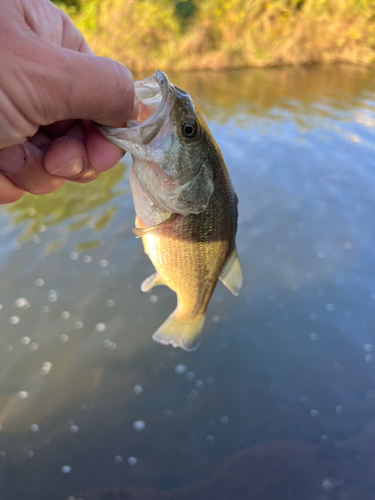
<point x="185" y="204"/>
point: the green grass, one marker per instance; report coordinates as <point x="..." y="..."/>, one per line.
<point x="222" y="34"/>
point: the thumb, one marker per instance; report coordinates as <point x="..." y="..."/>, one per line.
<point x="74" y="85"/>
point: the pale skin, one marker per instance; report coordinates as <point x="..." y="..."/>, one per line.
<point x="52" y="89"/>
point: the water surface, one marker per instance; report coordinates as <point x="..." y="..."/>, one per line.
<point x="279" y="400"/>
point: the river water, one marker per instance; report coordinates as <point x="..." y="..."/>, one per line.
<point x="278" y="402"/>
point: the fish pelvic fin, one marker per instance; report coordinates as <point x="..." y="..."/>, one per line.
<point x="231" y="275"/>
<point x="153" y="280"/>
<point x="180" y="331"/>
<point x="141" y="231"/>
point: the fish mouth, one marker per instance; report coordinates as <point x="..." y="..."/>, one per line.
<point x="155" y="98"/>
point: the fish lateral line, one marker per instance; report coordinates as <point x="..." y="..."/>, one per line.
<point x="141" y="231"/>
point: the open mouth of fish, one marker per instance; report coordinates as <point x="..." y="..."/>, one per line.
<point x="155" y="100"/>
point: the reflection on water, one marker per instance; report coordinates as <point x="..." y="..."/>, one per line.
<point x="279" y="400"/>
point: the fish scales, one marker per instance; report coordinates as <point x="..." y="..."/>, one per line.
<point x="185" y="204"/>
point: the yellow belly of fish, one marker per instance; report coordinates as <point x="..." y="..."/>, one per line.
<point x="191" y="269"/>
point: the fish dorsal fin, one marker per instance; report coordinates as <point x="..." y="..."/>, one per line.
<point x="153" y="280"/>
<point x="231" y="275"/>
<point x="141" y="231"/>
<point x="236" y="198"/>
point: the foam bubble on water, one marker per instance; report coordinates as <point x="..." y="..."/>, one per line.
<point x="31" y="211"/>
<point x="304" y="399"/>
<point x="46" y="368"/>
<point x="45" y="309"/>
<point x="73" y="256"/>
<point x="74" y="428"/>
<point x="100" y="327"/>
<point x="107" y="343"/>
<point x="167" y="413"/>
<point x="348" y="245"/>
<point x="324" y="437"/>
<point x="210" y="439"/>
<point x="64" y="338"/>
<point x="118" y="459"/>
<point x="211" y="424"/>
<point x="78" y="325"/>
<point x="87" y="259"/>
<point x="224" y="420"/>
<point x="314" y="413"/>
<point x="2" y="454"/>
<point x="190" y="375"/>
<point x="314" y="336"/>
<point x="34" y="427"/>
<point x="373" y="296"/>
<point x="23" y="394"/>
<point x="339" y="409"/>
<point x="41" y="228"/>
<point x="25" y="340"/>
<point x="180" y="369"/>
<point x="65" y="315"/>
<point x="34" y="346"/>
<point x="368" y="358"/>
<point x="103" y="263"/>
<point x="66" y="469"/>
<point x="9" y="348"/>
<point x="30" y="454"/>
<point x="14" y="320"/>
<point x="52" y="296"/>
<point x="368" y="347"/>
<point x="199" y="384"/>
<point x="112" y="346"/>
<point x="330" y="307"/>
<point x="320" y="254"/>
<point x="313" y="317"/>
<point x="22" y="303"/>
<point x="194" y="393"/>
<point x="1" y="306"/>
<point x="139" y="425"/>
<point x="210" y="381"/>
<point x="36" y="239"/>
<point x="137" y="389"/>
<point x="132" y="461"/>
<point x="216" y="319"/>
<point x="109" y="303"/>
<point x="153" y="299"/>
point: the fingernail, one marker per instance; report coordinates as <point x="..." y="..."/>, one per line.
<point x="71" y="169"/>
<point x="13" y="159"/>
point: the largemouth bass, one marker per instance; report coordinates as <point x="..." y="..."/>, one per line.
<point x="186" y="208"/>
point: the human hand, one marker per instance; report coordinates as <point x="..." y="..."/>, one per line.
<point x="52" y="88"/>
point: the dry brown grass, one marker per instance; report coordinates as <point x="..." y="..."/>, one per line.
<point x="145" y="34"/>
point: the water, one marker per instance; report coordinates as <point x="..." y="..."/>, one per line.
<point x="279" y="400"/>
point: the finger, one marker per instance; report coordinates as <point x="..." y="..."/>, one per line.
<point x="102" y="154"/>
<point x="57" y="129"/>
<point x="23" y="165"/>
<point x="9" y="192"/>
<point x="67" y="158"/>
<point x="41" y="140"/>
<point x="85" y="87"/>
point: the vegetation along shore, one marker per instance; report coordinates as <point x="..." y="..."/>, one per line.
<point x="221" y="34"/>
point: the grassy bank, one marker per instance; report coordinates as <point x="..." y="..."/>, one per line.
<point x="219" y="34"/>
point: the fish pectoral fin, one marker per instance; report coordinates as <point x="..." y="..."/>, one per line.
<point x="141" y="231"/>
<point x="153" y="280"/>
<point x="179" y="331"/>
<point x="231" y="275"/>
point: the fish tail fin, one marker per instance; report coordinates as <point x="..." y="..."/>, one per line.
<point x="180" y="331"/>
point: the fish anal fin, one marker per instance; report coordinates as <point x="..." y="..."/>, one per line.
<point x="141" y="231"/>
<point x="179" y="331"/>
<point x="231" y="275"/>
<point x="153" y="280"/>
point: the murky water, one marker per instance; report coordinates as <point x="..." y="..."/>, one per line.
<point x="279" y="400"/>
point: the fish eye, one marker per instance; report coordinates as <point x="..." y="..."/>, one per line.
<point x="188" y="130"/>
